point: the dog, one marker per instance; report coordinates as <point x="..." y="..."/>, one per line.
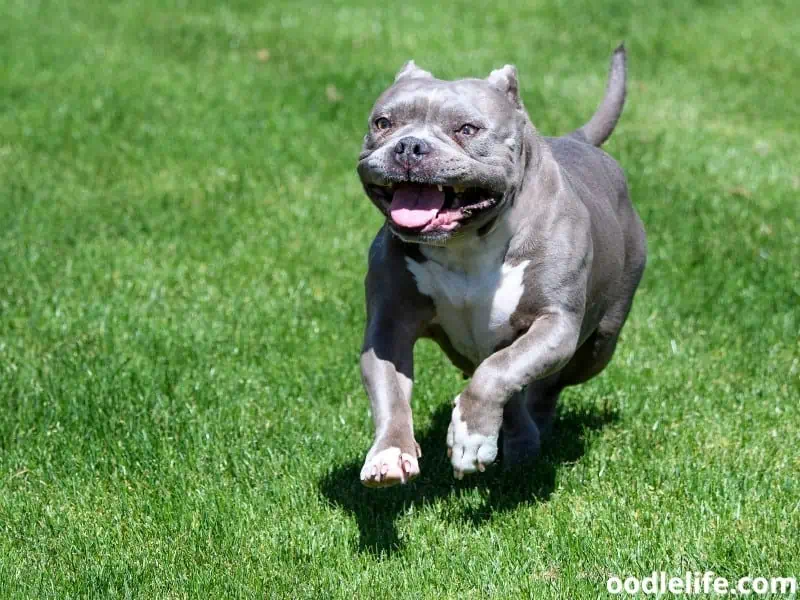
<point x="518" y="254"/>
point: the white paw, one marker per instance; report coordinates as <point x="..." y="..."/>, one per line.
<point x="469" y="452"/>
<point x="389" y="467"/>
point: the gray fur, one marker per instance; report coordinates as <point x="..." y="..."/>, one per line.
<point x="411" y="71"/>
<point x="563" y="222"/>
<point x="605" y="118"/>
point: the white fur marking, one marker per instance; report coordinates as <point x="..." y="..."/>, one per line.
<point x="475" y="295"/>
<point x="468" y="449"/>
<point x="389" y="466"/>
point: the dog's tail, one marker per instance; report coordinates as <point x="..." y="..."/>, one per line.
<point x="602" y="123"/>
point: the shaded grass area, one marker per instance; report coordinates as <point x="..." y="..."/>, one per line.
<point x="181" y="261"/>
<point x="502" y="489"/>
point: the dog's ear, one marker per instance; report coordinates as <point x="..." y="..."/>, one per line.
<point x="412" y="71"/>
<point x="506" y="81"/>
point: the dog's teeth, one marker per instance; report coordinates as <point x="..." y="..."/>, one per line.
<point x="440" y="187"/>
<point x="458" y="189"/>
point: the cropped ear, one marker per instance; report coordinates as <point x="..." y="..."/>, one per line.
<point x="505" y="80"/>
<point x="412" y="71"/>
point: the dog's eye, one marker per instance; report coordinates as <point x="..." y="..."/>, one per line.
<point x="468" y="129"/>
<point x="382" y="123"/>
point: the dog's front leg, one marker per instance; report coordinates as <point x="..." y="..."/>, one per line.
<point x="387" y="370"/>
<point x="477" y="417"/>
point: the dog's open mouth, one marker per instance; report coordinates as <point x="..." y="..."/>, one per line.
<point x="424" y="208"/>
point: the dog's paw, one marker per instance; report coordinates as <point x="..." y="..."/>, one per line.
<point x="469" y="452"/>
<point x="389" y="467"/>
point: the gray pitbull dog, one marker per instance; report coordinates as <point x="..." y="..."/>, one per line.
<point x="518" y="254"/>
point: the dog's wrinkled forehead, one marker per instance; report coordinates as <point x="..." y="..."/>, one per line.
<point x="416" y="95"/>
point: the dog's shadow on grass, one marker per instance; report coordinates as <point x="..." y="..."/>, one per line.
<point x="501" y="489"/>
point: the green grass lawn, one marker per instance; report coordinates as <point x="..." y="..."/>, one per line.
<point x="182" y="249"/>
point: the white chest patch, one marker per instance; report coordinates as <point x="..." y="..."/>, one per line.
<point x="474" y="300"/>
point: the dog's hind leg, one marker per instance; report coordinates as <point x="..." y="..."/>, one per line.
<point x="541" y="401"/>
<point x="528" y="418"/>
<point x="520" y="434"/>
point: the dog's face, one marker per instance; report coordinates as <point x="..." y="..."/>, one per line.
<point x="441" y="157"/>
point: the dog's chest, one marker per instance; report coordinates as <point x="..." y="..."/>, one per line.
<point x="475" y="297"/>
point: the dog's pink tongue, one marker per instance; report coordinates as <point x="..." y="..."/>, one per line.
<point x="415" y="205"/>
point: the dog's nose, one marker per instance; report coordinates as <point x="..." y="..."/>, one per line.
<point x="411" y="150"/>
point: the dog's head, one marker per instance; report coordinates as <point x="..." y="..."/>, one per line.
<point x="441" y="158"/>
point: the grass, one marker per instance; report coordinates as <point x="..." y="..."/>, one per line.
<point x="181" y="307"/>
